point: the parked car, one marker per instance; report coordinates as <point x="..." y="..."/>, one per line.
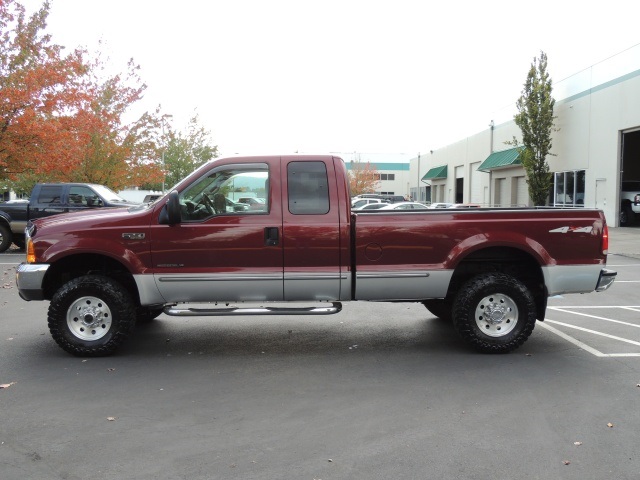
<point x="254" y="203"/>
<point x="465" y="205"/>
<point x="404" y="206"/>
<point x="441" y="205"/>
<point x="393" y="198"/>
<point x="49" y="199"/>
<point x="365" y="201"/>
<point x="370" y="206"/>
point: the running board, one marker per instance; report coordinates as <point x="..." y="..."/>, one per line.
<point x="174" y="311"/>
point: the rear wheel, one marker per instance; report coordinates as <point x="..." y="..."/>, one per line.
<point x="494" y="313"/>
<point x="91" y="316"/>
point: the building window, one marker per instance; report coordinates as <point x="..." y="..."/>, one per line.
<point x="568" y="188"/>
<point x="386" y="176"/>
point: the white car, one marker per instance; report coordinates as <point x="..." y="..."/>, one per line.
<point x="365" y="201"/>
<point x="370" y="206"/>
<point x="404" y="206"/>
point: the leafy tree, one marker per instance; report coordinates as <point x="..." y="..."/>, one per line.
<point x="363" y="178"/>
<point x="61" y="117"/>
<point x="184" y="152"/>
<point x="536" y="121"/>
<point x="39" y="95"/>
<point x="115" y="153"/>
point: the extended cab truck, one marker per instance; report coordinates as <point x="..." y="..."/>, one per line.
<point x="52" y="199"/>
<point x="491" y="271"/>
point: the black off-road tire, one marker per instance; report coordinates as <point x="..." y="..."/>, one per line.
<point x="91" y="316"/>
<point x="439" y="308"/>
<point x="494" y="313"/>
<point x="5" y="238"/>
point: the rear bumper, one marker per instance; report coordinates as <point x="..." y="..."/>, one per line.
<point x="29" y="279"/>
<point x="606" y="279"/>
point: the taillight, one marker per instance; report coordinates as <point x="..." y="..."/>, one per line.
<point x="31" y="251"/>
<point x="605" y="240"/>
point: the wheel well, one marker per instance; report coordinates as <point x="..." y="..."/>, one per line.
<point x="512" y="261"/>
<point x="75" y="266"/>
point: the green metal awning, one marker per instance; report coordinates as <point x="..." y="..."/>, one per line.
<point x="436" y="173"/>
<point x="505" y="158"/>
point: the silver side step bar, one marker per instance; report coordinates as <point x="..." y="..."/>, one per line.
<point x="174" y="311"/>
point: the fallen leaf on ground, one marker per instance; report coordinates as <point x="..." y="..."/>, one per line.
<point x="577" y="443"/>
<point x="7" y="385"/>
<point x="610" y="425"/>
<point x="111" y="419"/>
<point x="566" y="462"/>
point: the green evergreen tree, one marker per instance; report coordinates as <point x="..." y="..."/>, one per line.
<point x="536" y="121"/>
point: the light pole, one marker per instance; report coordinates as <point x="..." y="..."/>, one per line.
<point x="164" y="147"/>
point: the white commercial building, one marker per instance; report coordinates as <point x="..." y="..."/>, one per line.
<point x="596" y="147"/>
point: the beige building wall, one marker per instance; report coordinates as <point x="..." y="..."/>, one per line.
<point x="590" y="124"/>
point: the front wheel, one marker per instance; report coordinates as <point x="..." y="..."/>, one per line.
<point x="91" y="316"/>
<point x="494" y="313"/>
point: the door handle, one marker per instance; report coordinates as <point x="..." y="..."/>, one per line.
<point x="271" y="236"/>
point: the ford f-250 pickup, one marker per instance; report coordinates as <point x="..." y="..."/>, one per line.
<point x="52" y="199"/>
<point x="489" y="271"/>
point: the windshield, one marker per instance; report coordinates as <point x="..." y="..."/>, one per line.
<point x="108" y="194"/>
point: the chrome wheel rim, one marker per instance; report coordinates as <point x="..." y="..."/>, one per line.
<point x="89" y="318"/>
<point x="496" y="315"/>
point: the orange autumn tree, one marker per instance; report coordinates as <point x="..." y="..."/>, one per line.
<point x="39" y="95"/>
<point x="363" y="178"/>
<point x="115" y="153"/>
<point x="62" y="117"/>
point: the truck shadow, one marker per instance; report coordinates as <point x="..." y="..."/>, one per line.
<point x="288" y="336"/>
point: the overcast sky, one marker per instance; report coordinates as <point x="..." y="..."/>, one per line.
<point x="279" y="76"/>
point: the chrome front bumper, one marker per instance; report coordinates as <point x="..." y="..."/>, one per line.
<point x="29" y="278"/>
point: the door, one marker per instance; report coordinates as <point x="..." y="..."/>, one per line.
<point x="311" y="231"/>
<point x="223" y="250"/>
<point x="48" y="202"/>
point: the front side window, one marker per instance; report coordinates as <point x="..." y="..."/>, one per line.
<point x="308" y="188"/>
<point x="219" y="192"/>
<point x="83" y="197"/>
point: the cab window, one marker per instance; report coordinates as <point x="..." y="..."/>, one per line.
<point x="218" y="192"/>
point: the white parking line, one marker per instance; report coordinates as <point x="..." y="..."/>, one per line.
<point x="574" y="307"/>
<point x="570" y="339"/>
<point x="565" y="310"/>
<point x="584" y="346"/>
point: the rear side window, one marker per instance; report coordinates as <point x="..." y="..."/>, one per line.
<point x="308" y="188"/>
<point x="50" y="195"/>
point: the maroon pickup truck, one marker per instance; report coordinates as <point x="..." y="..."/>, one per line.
<point x="488" y="270"/>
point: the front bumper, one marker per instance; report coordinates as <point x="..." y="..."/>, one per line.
<point x="606" y="279"/>
<point x="29" y="279"/>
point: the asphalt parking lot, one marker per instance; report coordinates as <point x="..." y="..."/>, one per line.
<point x="379" y="391"/>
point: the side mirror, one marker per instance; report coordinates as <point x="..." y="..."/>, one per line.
<point x="170" y="213"/>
